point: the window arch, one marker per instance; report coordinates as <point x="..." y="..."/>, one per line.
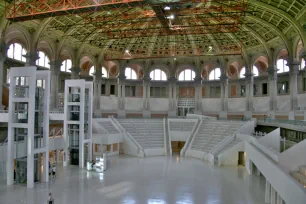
<point x="130" y="73"/>
<point x="281" y="64"/>
<point x="91" y="71"/>
<point x="186" y="75"/>
<point x="66" y="65"/>
<point x="104" y="72"/>
<point x="43" y="60"/>
<point x="16" y="51"/>
<point x="215" y="74"/>
<point x="254" y="72"/>
<point x="158" y="74"/>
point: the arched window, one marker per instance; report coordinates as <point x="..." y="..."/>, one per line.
<point x="43" y="60"/>
<point x="242" y="73"/>
<point x="66" y="65"/>
<point x="281" y="64"/>
<point x="254" y="71"/>
<point x="303" y="64"/>
<point x="104" y="72"/>
<point x="215" y="74"/>
<point x="187" y="75"/>
<point x="130" y="73"/>
<point x="16" y="51"/>
<point x="91" y="71"/>
<point x="158" y="74"/>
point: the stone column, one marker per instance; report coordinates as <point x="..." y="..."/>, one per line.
<point x="224" y="96"/>
<point x="75" y="72"/>
<point x="198" y="95"/>
<point x="249" y="79"/>
<point x="146" y="97"/>
<point x="121" y="95"/>
<point x="267" y="192"/>
<point x="31" y="58"/>
<point x="3" y="49"/>
<point x="55" y="67"/>
<point x="294" y="71"/>
<point x="172" y="97"/>
<point x="272" y="70"/>
<point x="97" y="90"/>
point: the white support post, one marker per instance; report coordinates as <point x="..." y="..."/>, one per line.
<point x="267" y="192"/>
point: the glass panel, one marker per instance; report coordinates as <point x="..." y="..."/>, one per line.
<point x="217" y="73"/>
<point x="68" y="65"/>
<point x="188" y="74"/>
<point x="163" y="76"/>
<point x="91" y="70"/>
<point x="152" y="75"/>
<point x="181" y="76"/>
<point x="242" y="73"/>
<point x="255" y="71"/>
<point x="10" y="51"/>
<point x="212" y="75"/>
<point x="157" y="74"/>
<point x="104" y="72"/>
<point x="134" y="75"/>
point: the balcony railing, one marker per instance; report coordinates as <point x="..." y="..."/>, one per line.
<point x="282" y="121"/>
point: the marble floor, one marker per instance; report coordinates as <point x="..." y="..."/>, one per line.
<point x="154" y="180"/>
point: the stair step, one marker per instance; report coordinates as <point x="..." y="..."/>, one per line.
<point x="299" y="177"/>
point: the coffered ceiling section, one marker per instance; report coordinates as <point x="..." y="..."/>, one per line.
<point x="126" y="29"/>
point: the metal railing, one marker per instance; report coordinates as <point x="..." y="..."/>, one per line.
<point x="282" y="121"/>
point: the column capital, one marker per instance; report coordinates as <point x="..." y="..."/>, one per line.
<point x="223" y="78"/>
<point x="146" y="79"/>
<point x="55" y="66"/>
<point x="272" y="71"/>
<point x="31" y="58"/>
<point x="249" y="77"/>
<point x="3" y="51"/>
<point x="294" y="66"/>
<point x="75" y="69"/>
<point x="198" y="81"/>
<point x="172" y="79"/>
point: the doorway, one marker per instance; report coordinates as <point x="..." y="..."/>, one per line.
<point x="74" y="156"/>
<point x="241" y="158"/>
<point x="177" y="146"/>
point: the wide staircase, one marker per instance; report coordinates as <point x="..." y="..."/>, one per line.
<point x="212" y="133"/>
<point x="181" y="126"/>
<point x="148" y="133"/>
<point x="300" y="175"/>
<point x="104" y="126"/>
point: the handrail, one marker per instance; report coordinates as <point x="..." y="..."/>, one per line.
<point x="4" y="111"/>
<point x="193" y="134"/>
<point x="227" y="140"/>
<point x="128" y="135"/>
<point x="290" y="122"/>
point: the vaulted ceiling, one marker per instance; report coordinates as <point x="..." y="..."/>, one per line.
<point x="160" y="28"/>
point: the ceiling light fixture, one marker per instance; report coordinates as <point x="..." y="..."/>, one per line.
<point x="167" y="8"/>
<point x="171" y="17"/>
<point x="127" y="51"/>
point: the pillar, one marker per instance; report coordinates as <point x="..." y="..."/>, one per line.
<point x="273" y="196"/>
<point x="172" y="97"/>
<point x="272" y="70"/>
<point x="31" y="58"/>
<point x="224" y="96"/>
<point x="249" y="95"/>
<point x="294" y="71"/>
<point x="146" y="97"/>
<point x="55" y="67"/>
<point x="121" y="95"/>
<point x="3" y="49"/>
<point x="267" y="192"/>
<point x="97" y="90"/>
<point x="75" y="72"/>
<point x="198" y="95"/>
<point x="279" y="199"/>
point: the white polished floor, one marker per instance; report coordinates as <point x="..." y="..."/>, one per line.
<point x="155" y="180"/>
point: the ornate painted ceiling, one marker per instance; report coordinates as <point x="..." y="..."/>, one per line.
<point x="125" y="29"/>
